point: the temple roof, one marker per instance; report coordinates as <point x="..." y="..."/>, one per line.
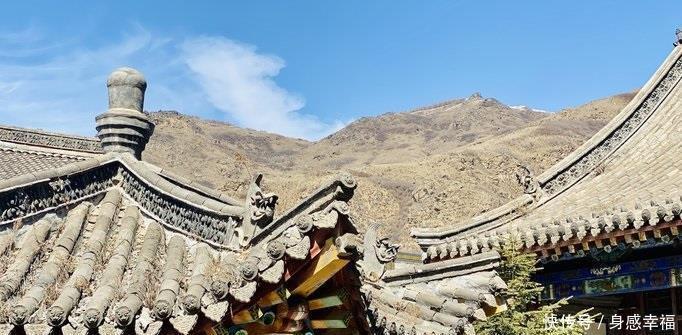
<point x="145" y="251"/>
<point x="98" y="239"/>
<point x="110" y="219"/>
<point x="27" y="151"/>
<point x="94" y="239"/>
<point x="626" y="173"/>
<point x="432" y="298"/>
<point x="125" y="268"/>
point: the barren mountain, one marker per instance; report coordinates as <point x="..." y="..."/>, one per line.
<point x="217" y="154"/>
<point x="419" y="133"/>
<point x="430" y="166"/>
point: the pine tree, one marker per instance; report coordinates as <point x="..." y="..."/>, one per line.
<point x="522" y="294"/>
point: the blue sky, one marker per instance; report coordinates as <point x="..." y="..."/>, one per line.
<point x="306" y="68"/>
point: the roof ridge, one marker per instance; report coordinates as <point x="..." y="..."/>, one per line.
<point x="43" y="153"/>
<point x="191" y="185"/>
<point x="48" y="139"/>
<point x="180" y="193"/>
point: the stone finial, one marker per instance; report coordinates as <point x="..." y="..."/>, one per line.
<point x="678" y="37"/>
<point x="126" y="89"/>
<point x="124" y="127"/>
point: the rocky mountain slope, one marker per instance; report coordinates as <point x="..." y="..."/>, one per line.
<point x="419" y="133"/>
<point x="431" y="166"/>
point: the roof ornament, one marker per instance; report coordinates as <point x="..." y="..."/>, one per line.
<point x="260" y="210"/>
<point x="376" y="253"/>
<point x="678" y="37"/>
<point x="262" y="204"/>
<point x="527" y="180"/>
<point x="124" y="128"/>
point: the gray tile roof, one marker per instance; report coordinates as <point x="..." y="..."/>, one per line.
<point x="15" y="162"/>
<point x="126" y="267"/>
<point x="439" y="298"/>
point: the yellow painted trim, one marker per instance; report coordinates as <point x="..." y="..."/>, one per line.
<point x="322" y="268"/>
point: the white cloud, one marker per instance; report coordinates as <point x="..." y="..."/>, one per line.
<point x="240" y="81"/>
<point x="65" y="90"/>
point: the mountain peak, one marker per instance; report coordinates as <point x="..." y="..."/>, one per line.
<point x="476" y="96"/>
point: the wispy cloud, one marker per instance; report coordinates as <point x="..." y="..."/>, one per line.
<point x="61" y="86"/>
<point x="240" y="81"/>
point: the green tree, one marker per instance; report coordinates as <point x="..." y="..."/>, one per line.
<point x="522" y="317"/>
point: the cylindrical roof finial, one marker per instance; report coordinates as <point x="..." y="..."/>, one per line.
<point x="126" y="89"/>
<point x="125" y="127"/>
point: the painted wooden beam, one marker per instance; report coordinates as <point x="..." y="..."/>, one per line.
<point x="296" y="312"/>
<point x="335" y="320"/>
<point x="320" y="270"/>
<point x="341" y="297"/>
<point x="274" y="297"/>
<point x="251" y="314"/>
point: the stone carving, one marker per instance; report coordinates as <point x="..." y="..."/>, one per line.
<point x="527" y="179"/>
<point x="385" y="250"/>
<point x="340" y="189"/>
<point x="245" y="292"/>
<point x="262" y="205"/>
<point x="44" y="139"/>
<point x="260" y="211"/>
<point x="274" y="273"/>
<point x="377" y="252"/>
<point x="216" y="311"/>
<point x="209" y="226"/>
<point x="347" y="180"/>
<point x="184" y="323"/>
<point x="300" y="249"/>
<point x="59" y="185"/>
<point x="33" y="198"/>
<point x="227" y="272"/>
<point x="304" y="223"/>
<point x="297" y="245"/>
<point x="348" y="244"/>
<point x="325" y="219"/>
<point x="276" y="249"/>
<point x="249" y="269"/>
<point x="678" y="37"/>
<point x="598" y="153"/>
<point x="266" y="261"/>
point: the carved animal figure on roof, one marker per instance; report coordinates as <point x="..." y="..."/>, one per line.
<point x="526" y="179"/>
